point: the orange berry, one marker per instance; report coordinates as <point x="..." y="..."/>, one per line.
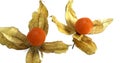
<point x="83" y="25"/>
<point x="36" y="36"/>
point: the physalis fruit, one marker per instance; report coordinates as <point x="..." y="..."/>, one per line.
<point x="36" y="36"/>
<point x="83" y="25"/>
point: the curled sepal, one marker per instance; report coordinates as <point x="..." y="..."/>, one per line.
<point x="39" y="18"/>
<point x="85" y="44"/>
<point x="54" y="47"/>
<point x="70" y="15"/>
<point x="100" y="26"/>
<point x="33" y="56"/>
<point x="13" y="38"/>
<point x="43" y="10"/>
<point x="61" y="27"/>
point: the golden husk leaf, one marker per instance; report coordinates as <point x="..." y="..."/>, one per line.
<point x="70" y="15"/>
<point x="33" y="56"/>
<point x="54" y="47"/>
<point x="61" y="27"/>
<point x="39" y="18"/>
<point x="85" y="44"/>
<point x="99" y="26"/>
<point x="13" y="38"/>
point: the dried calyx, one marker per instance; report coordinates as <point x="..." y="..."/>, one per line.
<point x="38" y="25"/>
<point x="80" y="27"/>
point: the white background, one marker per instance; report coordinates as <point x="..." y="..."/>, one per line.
<point x="18" y="13"/>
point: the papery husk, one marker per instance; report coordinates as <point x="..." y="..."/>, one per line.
<point x="61" y="27"/>
<point x="13" y="38"/>
<point x="33" y="56"/>
<point x="70" y="15"/>
<point x="85" y="44"/>
<point x="99" y="26"/>
<point x="54" y="47"/>
<point x="39" y="18"/>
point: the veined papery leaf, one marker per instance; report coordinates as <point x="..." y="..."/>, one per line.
<point x="39" y="18"/>
<point x="70" y="15"/>
<point x="85" y="44"/>
<point x="33" y="56"/>
<point x="100" y="26"/>
<point x="54" y="47"/>
<point x="61" y="27"/>
<point x="13" y="38"/>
